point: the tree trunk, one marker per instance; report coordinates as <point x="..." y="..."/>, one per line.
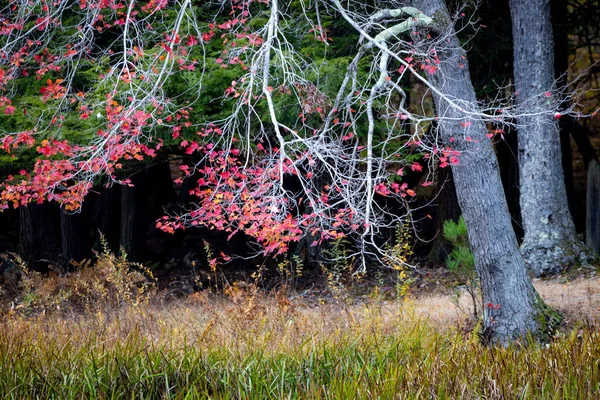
<point x="513" y="308"/>
<point x="133" y="217"/>
<point x="39" y="235"/>
<point x="550" y="243"/>
<point x="75" y="237"/>
<point x="106" y="216"/>
<point x="160" y="187"/>
<point x="592" y="234"/>
<point x="506" y="151"/>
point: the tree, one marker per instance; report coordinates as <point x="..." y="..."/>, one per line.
<point x="277" y="104"/>
<point x="512" y="308"/>
<point x="550" y="241"/>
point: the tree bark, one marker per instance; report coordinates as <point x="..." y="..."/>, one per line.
<point x="106" y="216"/>
<point x="133" y="217"/>
<point x="513" y="308"/>
<point x="506" y="151"/>
<point x="160" y="187"/>
<point x="550" y="243"/>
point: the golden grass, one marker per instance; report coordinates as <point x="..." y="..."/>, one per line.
<point x="252" y="345"/>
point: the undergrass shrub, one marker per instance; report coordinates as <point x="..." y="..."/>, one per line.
<point x="111" y="282"/>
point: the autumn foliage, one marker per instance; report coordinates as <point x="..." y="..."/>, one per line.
<point x="88" y="88"/>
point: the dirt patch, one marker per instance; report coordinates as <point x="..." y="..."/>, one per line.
<point x="577" y="300"/>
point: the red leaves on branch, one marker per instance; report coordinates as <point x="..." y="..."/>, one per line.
<point x="236" y="199"/>
<point x="53" y="90"/>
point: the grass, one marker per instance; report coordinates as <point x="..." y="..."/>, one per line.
<point x="257" y="347"/>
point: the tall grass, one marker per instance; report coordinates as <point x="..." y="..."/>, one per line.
<point x="267" y="349"/>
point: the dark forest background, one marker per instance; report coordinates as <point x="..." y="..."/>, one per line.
<point x="49" y="238"/>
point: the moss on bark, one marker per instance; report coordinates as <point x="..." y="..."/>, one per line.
<point x="547" y="320"/>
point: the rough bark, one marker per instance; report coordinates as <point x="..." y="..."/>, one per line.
<point x="516" y="309"/>
<point x="550" y="243"/>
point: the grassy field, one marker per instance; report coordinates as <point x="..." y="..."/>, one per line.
<point x="251" y="346"/>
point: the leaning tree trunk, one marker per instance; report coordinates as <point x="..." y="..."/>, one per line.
<point x="550" y="243"/>
<point x="513" y="308"/>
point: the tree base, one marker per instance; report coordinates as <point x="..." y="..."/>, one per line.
<point x="542" y="327"/>
<point x="550" y="257"/>
<point x="548" y="320"/>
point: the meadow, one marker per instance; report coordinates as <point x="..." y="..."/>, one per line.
<point x="244" y="343"/>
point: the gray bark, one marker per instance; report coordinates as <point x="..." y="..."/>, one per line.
<point x="550" y="243"/>
<point x="516" y="309"/>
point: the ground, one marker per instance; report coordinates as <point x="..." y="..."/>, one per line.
<point x="243" y="342"/>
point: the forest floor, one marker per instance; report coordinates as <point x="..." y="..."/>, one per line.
<point x="576" y="295"/>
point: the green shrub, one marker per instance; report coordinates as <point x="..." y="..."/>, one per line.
<point x="462" y="262"/>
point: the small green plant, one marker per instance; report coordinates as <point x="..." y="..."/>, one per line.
<point x="290" y="270"/>
<point x="462" y="262"/>
<point x="399" y="254"/>
<point x="339" y="263"/>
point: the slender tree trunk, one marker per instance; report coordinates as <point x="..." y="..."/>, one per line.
<point x="133" y="217"/>
<point x="75" y="237"/>
<point x="507" y="151"/>
<point x="550" y="243"/>
<point x="39" y="235"/>
<point x="160" y="188"/>
<point x="106" y="216"/>
<point x="513" y="308"/>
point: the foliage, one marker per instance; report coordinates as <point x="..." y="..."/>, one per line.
<point x="338" y="267"/>
<point x="290" y="270"/>
<point x="461" y="260"/>
<point x="253" y="93"/>
<point x="400" y="253"/>
<point x="111" y="282"/>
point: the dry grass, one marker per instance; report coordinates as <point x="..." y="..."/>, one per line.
<point x="245" y="344"/>
<point x="578" y="300"/>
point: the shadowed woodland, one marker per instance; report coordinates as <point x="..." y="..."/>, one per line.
<point x="45" y="235"/>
